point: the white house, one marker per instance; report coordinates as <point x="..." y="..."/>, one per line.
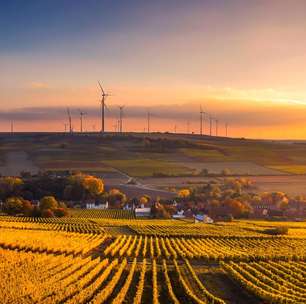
<point x="94" y="206"/>
<point x="179" y="215"/>
<point x="143" y="212"/>
<point x="203" y="219"/>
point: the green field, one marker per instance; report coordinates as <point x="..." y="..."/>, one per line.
<point x="292" y="169"/>
<point x="149" y="167"/>
<point x="144" y="155"/>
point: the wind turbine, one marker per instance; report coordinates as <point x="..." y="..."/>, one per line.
<point x="81" y="119"/>
<point x="103" y="106"/>
<point x="226" y="127"/>
<point x="217" y="121"/>
<point x="69" y="120"/>
<point x="148" y="120"/>
<point x="201" y="120"/>
<point x="120" y="118"/>
<point x="210" y="125"/>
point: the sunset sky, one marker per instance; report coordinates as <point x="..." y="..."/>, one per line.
<point x="243" y="61"/>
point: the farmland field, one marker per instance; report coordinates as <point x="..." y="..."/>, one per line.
<point x="236" y="168"/>
<point x="107" y="256"/>
<point x="149" y="167"/>
<point x="293" y="169"/>
<point x="145" y="155"/>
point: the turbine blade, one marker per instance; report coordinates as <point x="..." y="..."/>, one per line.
<point x="101" y="87"/>
<point x="106" y="107"/>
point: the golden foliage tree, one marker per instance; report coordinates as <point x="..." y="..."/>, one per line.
<point x="93" y="185"/>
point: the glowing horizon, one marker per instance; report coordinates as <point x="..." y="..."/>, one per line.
<point x="243" y="62"/>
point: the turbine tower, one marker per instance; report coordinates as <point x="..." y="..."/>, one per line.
<point x="210" y="125"/>
<point x="120" y="118"/>
<point x="216" y="120"/>
<point x="69" y="120"/>
<point x="226" y="127"/>
<point x="103" y="106"/>
<point x="81" y="119"/>
<point x="148" y="120"/>
<point x="201" y="120"/>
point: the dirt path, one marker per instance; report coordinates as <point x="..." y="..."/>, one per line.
<point x="219" y="284"/>
<point x="16" y="162"/>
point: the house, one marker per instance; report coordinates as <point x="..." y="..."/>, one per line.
<point x="265" y="210"/>
<point x="199" y="218"/>
<point x="143" y="212"/>
<point x="92" y="205"/>
<point x="179" y="215"/>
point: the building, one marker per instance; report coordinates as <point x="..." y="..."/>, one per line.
<point x="265" y="210"/>
<point x="94" y="206"/>
<point x="179" y="215"/>
<point x="199" y="218"/>
<point x="143" y="212"/>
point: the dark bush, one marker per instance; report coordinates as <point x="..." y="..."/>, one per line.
<point x="277" y="231"/>
<point x="47" y="213"/>
<point x="60" y="212"/>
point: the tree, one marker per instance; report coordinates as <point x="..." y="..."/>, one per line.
<point x="236" y="208"/>
<point x="93" y="185"/>
<point x="283" y="204"/>
<point x="48" y="202"/>
<point x="13" y="205"/>
<point x="47" y="213"/>
<point x="184" y="193"/>
<point x="226" y="172"/>
<point x="116" y="197"/>
<point x="204" y="172"/>
<point x="60" y="212"/>
<point x="10" y="186"/>
<point x="143" y="200"/>
<point x="27" y="208"/>
<point x="159" y="211"/>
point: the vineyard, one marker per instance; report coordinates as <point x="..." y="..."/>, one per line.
<point x="106" y="214"/>
<point x="113" y="258"/>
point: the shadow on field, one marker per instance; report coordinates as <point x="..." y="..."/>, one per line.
<point x="219" y="284"/>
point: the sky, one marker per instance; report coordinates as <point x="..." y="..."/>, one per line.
<point x="244" y="62"/>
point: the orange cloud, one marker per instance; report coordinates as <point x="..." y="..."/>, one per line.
<point x="38" y="85"/>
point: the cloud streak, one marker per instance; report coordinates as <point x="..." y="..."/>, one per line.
<point x="240" y="116"/>
<point x="35" y="85"/>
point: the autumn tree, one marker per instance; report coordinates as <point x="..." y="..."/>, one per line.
<point x="48" y="202"/>
<point x="27" y="208"/>
<point x="144" y="200"/>
<point x="47" y="213"/>
<point x="158" y="210"/>
<point x="79" y="186"/>
<point x="236" y="208"/>
<point x="60" y="212"/>
<point x="93" y="185"/>
<point x="184" y="193"/>
<point x="10" y="186"/>
<point x="116" y="198"/>
<point x="13" y="206"/>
